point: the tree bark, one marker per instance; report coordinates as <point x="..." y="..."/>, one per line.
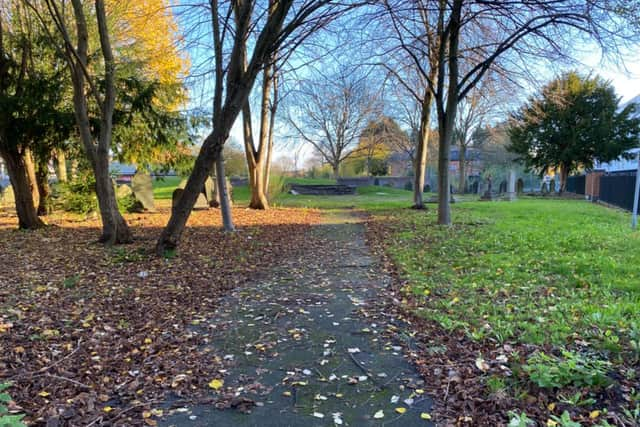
<point x="336" y="170"/>
<point x="42" y="180"/>
<point x="24" y="186"/>
<point x="421" y="151"/>
<point x="446" y="117"/>
<point x="225" y="202"/>
<point x="272" y="120"/>
<point x="255" y="165"/>
<point x="114" y="227"/>
<point x="61" y="161"/>
<point x="462" y="177"/>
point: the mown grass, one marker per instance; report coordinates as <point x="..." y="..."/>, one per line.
<point x="538" y="272"/>
<point x="370" y="198"/>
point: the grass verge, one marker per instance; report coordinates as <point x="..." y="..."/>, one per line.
<point x="543" y="298"/>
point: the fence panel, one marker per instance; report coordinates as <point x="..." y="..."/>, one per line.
<point x="576" y="184"/>
<point x="618" y="189"/>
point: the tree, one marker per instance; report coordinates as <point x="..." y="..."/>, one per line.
<point x="573" y="122"/>
<point x="33" y="116"/>
<point x="282" y="29"/>
<point x="472" y="38"/>
<point x="331" y="111"/>
<point x="377" y="141"/>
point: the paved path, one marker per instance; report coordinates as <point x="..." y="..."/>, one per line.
<point x="303" y="347"/>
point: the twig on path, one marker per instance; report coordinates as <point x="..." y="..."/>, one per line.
<point x="56" y="363"/>
<point x="366" y="371"/>
<point x="72" y="381"/>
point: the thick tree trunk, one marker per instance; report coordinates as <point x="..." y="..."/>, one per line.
<point x="447" y="117"/>
<point x="254" y="164"/>
<point x="42" y="179"/>
<point x="336" y="170"/>
<point x="24" y="186"/>
<point x="209" y="154"/>
<point x="462" y="177"/>
<point x="272" y="122"/>
<point x="114" y="227"/>
<point x="61" y="163"/>
<point x="225" y="202"/>
<point x="421" y="151"/>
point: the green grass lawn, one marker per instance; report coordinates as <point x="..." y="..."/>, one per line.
<point x="163" y="187"/>
<point x="556" y="280"/>
<point x="542" y="272"/>
<point x="371" y="198"/>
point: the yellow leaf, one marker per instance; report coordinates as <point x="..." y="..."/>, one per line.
<point x="43" y="393"/>
<point x="286" y="394"/>
<point x="146" y="414"/>
<point x="216" y="384"/>
<point x="107" y="409"/>
<point x="425" y="416"/>
<point x="594" y="414"/>
<point x="551" y="406"/>
<point x="551" y="423"/>
<point x="401" y="410"/>
<point x="148" y="341"/>
<point x="419" y="391"/>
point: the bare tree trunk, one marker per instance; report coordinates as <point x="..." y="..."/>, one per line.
<point x="462" y="177"/>
<point x="272" y="121"/>
<point x="447" y="121"/>
<point x="254" y="164"/>
<point x="61" y="160"/>
<point x="24" y="187"/>
<point x="114" y="227"/>
<point x="336" y="170"/>
<point x="42" y="180"/>
<point x="421" y="151"/>
<point x="225" y="202"/>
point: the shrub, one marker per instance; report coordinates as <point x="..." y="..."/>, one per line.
<point x="77" y="195"/>
<point x="572" y="369"/>
<point x="408" y="186"/>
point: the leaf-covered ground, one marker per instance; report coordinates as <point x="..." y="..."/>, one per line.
<point x="527" y="312"/>
<point x="92" y="335"/>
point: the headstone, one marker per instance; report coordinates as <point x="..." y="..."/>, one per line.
<point x="201" y="202"/>
<point x="488" y="195"/>
<point x="8" y="198"/>
<point x="511" y="185"/>
<point x="142" y="186"/>
<point x="503" y="186"/>
<point x="209" y="191"/>
<point x="520" y="186"/>
<point x="123" y="191"/>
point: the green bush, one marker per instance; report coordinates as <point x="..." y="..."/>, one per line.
<point x="408" y="186"/>
<point x="572" y="369"/>
<point x="77" y="195"/>
<point x="7" y="420"/>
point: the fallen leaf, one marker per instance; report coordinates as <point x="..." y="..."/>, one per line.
<point x="379" y="414"/>
<point x="216" y="384"/>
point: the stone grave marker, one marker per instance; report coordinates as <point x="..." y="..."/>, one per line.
<point x="488" y="195"/>
<point x="520" y="186"/>
<point x="210" y="192"/>
<point x="142" y="186"/>
<point x="511" y="185"/>
<point x="123" y="191"/>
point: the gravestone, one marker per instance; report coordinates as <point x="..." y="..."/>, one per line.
<point x="7" y="197"/>
<point x="209" y="191"/>
<point x="488" y="195"/>
<point x="503" y="186"/>
<point x="201" y="202"/>
<point x="142" y="186"/>
<point x="215" y="202"/>
<point x="520" y="186"/>
<point x="123" y="191"/>
<point x="511" y="186"/>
